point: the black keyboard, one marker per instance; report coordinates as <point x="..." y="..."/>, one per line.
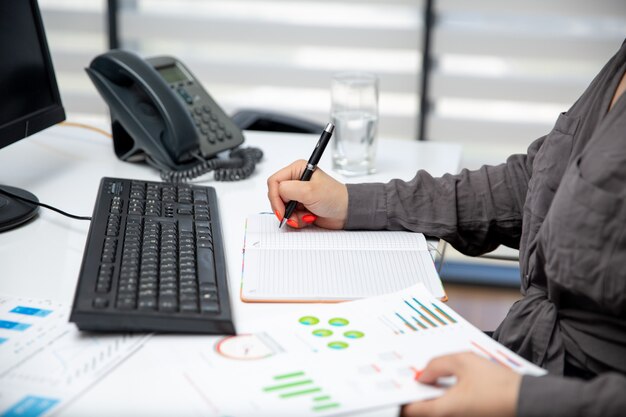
<point x="154" y="261"/>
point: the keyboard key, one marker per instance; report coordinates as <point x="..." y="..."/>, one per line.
<point x="189" y="307"/>
<point x="147" y="303"/>
<point x="116" y="205"/>
<point x="168" y="303"/>
<point x="206" y="267"/>
<point x="207" y="306"/>
<point x="100" y="302"/>
<point x="126" y="303"/>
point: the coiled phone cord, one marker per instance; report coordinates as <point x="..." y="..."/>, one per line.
<point x="240" y="165"/>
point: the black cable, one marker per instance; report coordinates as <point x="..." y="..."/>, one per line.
<point x="37" y="203"/>
<point x="240" y="165"/>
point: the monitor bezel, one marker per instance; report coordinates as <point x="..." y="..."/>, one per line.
<point x="45" y="117"/>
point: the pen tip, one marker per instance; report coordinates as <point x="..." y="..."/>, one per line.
<point x="281" y="223"/>
<point x="330" y="128"/>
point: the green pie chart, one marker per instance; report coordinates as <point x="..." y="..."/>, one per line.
<point x="322" y="332"/>
<point x="354" y="334"/>
<point x="309" y="320"/>
<point x="338" y="345"/>
<point x="338" y="321"/>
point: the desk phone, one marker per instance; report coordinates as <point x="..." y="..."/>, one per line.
<point x="161" y="114"/>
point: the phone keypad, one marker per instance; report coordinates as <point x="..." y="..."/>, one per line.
<point x="215" y="131"/>
<point x="209" y="125"/>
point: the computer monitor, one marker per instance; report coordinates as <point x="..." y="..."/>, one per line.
<point x="29" y="96"/>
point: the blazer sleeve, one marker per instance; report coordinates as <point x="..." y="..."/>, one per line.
<point x="475" y="211"/>
<point x="568" y="397"/>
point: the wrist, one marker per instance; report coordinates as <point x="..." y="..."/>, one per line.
<point x="367" y="206"/>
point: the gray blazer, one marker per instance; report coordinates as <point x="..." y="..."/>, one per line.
<point x="563" y="204"/>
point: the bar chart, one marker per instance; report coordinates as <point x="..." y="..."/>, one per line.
<point x="45" y="361"/>
<point x="414" y="315"/>
<point x="26" y="325"/>
<point x="298" y="387"/>
<point x="498" y="356"/>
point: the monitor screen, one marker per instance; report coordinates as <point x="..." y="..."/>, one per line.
<point x="29" y="96"/>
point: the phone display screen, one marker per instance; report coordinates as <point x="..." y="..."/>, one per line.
<point x="173" y="73"/>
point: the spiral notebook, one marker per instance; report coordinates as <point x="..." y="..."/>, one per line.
<point x="319" y="265"/>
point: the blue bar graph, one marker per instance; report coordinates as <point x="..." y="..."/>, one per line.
<point x="406" y="322"/>
<point x="13" y="325"/>
<point x="30" y="406"/>
<point x="31" y="311"/>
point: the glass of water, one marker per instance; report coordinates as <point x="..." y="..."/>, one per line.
<point x="354" y="112"/>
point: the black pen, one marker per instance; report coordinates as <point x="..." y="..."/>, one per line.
<point x="310" y="166"/>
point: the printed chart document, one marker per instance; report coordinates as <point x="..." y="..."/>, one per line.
<point x="315" y="264"/>
<point x="45" y="362"/>
<point x="326" y="359"/>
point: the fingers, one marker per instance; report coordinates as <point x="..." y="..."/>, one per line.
<point x="321" y="196"/>
<point x="440" y="367"/>
<point x="300" y="219"/>
<point x="290" y="172"/>
<point x="443" y="366"/>
<point x="421" y="408"/>
<point x="303" y="192"/>
<point x="477" y="379"/>
<point x="309" y="218"/>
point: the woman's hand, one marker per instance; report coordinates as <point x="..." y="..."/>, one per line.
<point x="323" y="200"/>
<point x="483" y="388"/>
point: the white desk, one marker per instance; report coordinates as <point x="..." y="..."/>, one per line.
<point x="63" y="166"/>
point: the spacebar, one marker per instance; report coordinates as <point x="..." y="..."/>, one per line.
<point x="206" y="269"/>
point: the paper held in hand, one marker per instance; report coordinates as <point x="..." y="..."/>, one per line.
<point x="314" y="264"/>
<point x="318" y="360"/>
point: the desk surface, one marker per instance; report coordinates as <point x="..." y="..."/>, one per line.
<point x="63" y="166"/>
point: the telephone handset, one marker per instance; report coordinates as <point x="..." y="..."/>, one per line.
<point x="161" y="114"/>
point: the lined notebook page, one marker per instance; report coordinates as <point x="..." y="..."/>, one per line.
<point x="315" y="264"/>
<point x="262" y="232"/>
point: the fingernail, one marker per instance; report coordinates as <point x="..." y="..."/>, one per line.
<point x="278" y="215"/>
<point x="292" y="223"/>
<point x="309" y="218"/>
<point x="418" y="374"/>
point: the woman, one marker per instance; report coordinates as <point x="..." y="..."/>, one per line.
<point x="563" y="204"/>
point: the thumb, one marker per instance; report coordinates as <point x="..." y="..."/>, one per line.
<point x="441" y="366"/>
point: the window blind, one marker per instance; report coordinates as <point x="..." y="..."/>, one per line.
<point x="501" y="70"/>
<point x="504" y="70"/>
<point x="76" y="32"/>
<point x="280" y="55"/>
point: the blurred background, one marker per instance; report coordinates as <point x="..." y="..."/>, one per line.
<point x="492" y="75"/>
<point x="497" y="73"/>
